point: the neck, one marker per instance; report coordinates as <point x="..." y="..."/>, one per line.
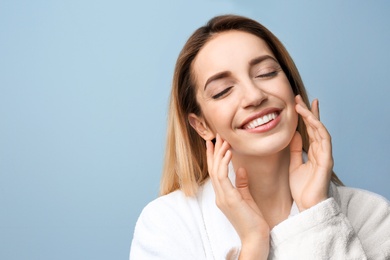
<point x="269" y="184"/>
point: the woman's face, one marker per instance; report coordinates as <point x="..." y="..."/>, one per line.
<point x="244" y="95"/>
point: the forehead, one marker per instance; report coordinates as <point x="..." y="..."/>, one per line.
<point x="228" y="51"/>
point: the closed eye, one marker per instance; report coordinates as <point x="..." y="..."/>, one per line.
<point x="222" y="93"/>
<point x="268" y="75"/>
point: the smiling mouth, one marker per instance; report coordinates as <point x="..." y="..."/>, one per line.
<point x="261" y="121"/>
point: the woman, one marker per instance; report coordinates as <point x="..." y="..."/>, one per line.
<point x="249" y="170"/>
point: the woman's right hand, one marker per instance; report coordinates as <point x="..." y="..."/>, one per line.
<point x="237" y="203"/>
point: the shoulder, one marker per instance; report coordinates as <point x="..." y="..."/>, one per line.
<point x="173" y="201"/>
<point x="165" y="227"/>
<point x="174" y="208"/>
<point x="353" y="201"/>
<point x="369" y="215"/>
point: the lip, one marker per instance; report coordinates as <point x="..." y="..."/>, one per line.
<point x="266" y="127"/>
<point x="260" y="114"/>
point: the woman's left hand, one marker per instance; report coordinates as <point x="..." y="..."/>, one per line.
<point x="309" y="181"/>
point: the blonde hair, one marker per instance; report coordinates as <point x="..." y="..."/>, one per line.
<point x="185" y="165"/>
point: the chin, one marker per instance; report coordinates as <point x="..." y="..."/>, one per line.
<point x="265" y="146"/>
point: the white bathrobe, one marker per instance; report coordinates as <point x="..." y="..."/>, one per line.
<point x="351" y="224"/>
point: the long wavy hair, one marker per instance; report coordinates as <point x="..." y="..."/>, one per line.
<point x="185" y="165"/>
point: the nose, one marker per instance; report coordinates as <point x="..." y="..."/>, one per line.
<point x="252" y="95"/>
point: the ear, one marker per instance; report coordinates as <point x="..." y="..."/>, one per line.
<point x="200" y="126"/>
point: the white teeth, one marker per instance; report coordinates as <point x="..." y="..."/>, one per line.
<point x="260" y="121"/>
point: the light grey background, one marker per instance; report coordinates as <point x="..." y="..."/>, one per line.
<point x="83" y="100"/>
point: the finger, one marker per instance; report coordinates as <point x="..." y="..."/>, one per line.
<point x="223" y="172"/>
<point x="310" y="118"/>
<point x="317" y="126"/>
<point x="242" y="186"/>
<point x="296" y="152"/>
<point x="301" y="106"/>
<point x="213" y="160"/>
<point x="219" y="151"/>
<point x="225" y="193"/>
<point x="218" y="142"/>
<point x="242" y="179"/>
<point x="299" y="100"/>
<point x="219" y="171"/>
<point x="209" y="154"/>
<point x="317" y="131"/>
<point x="224" y="157"/>
<point x="306" y="123"/>
<point x="315" y="108"/>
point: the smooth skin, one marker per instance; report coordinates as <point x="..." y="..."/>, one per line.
<point x="270" y="173"/>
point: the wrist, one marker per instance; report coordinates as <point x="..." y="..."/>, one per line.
<point x="313" y="201"/>
<point x="254" y="249"/>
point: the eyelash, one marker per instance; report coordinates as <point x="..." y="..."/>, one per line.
<point x="268" y="75"/>
<point x="222" y="93"/>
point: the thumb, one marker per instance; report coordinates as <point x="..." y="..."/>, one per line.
<point x="241" y="179"/>
<point x="242" y="184"/>
<point x="295" y="151"/>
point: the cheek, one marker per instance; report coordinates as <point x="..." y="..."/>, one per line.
<point x="280" y="88"/>
<point x="288" y="92"/>
<point x="216" y="118"/>
<point x="219" y="117"/>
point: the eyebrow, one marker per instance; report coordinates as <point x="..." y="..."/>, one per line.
<point x="259" y="59"/>
<point x="220" y="75"/>
<point x="225" y="74"/>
